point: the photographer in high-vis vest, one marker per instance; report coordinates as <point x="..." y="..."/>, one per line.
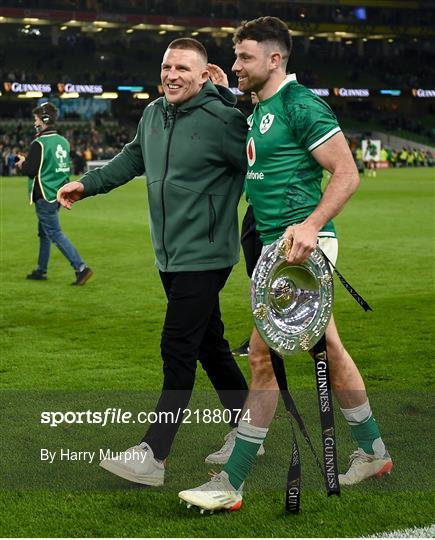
<point x="47" y="166"/>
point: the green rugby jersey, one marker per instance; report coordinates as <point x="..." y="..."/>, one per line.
<point x="283" y="180"/>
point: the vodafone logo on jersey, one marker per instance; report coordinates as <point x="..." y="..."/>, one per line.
<point x="250" y="152"/>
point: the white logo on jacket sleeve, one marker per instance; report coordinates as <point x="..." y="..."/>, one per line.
<point x="250" y="152"/>
<point x="266" y="123"/>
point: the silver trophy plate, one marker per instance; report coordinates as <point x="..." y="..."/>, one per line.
<point x="291" y="304"/>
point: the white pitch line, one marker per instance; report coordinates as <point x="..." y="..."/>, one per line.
<point x="415" y="532"/>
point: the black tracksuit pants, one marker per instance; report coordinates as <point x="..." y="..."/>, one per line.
<point x="192" y="331"/>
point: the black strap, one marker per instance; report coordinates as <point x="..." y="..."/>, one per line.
<point x="349" y="287"/>
<point x="330" y="469"/>
<point x="293" y="487"/>
<point x="289" y="403"/>
<point x="324" y="396"/>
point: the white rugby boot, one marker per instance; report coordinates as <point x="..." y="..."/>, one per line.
<point x="217" y="494"/>
<point x="363" y="466"/>
<point x="136" y="464"/>
<point x="221" y="456"/>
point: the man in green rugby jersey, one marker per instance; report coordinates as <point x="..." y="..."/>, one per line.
<point x="293" y="135"/>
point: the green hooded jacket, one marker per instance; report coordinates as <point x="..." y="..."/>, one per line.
<point x="194" y="159"/>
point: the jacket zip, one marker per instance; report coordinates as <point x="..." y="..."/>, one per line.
<point x="162" y="189"/>
<point x="212" y="219"/>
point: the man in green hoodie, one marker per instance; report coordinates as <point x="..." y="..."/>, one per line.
<point x="190" y="145"/>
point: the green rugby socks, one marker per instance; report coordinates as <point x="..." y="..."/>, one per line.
<point x="248" y="440"/>
<point x="365" y="429"/>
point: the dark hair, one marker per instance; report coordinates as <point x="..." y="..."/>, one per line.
<point x="47" y="112"/>
<point x="265" y="29"/>
<point x="191" y="45"/>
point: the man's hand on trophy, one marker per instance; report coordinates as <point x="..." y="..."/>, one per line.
<point x="217" y="75"/>
<point x="303" y="238"/>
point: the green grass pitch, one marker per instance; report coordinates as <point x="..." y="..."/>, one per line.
<point x="66" y="348"/>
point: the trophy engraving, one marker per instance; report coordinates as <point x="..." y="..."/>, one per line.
<point x="260" y="311"/>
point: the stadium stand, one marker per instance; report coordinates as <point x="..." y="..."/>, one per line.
<point x="374" y="65"/>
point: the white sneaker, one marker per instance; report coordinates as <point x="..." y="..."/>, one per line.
<point x="217" y="494"/>
<point x="221" y="456"/>
<point x="136" y="464"/>
<point x="363" y="466"/>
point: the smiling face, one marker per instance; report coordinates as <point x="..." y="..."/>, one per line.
<point x="183" y="74"/>
<point x="252" y="65"/>
<point x="260" y="66"/>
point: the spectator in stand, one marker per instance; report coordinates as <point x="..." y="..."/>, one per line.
<point x="4" y="160"/>
<point x="78" y="161"/>
<point x="2" y="167"/>
<point x="12" y="171"/>
<point x="87" y="154"/>
<point x="403" y="157"/>
<point x="359" y="159"/>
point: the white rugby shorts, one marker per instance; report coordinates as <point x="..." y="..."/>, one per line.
<point x="327" y="244"/>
